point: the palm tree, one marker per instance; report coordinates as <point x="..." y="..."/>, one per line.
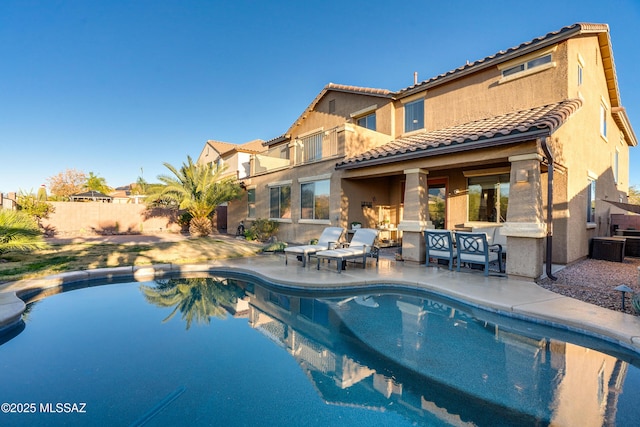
<point x="198" y="189"/>
<point x="197" y="299"/>
<point x="19" y="232"/>
<point x="97" y="183"/>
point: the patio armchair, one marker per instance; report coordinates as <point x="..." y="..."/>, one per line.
<point x="361" y="246"/>
<point x="328" y="239"/>
<point x="439" y="245"/>
<point x="473" y="248"/>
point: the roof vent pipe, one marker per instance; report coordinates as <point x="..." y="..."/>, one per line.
<point x="415" y="78"/>
<point x="547" y="153"/>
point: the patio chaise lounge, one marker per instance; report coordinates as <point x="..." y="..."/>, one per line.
<point x="361" y="246"/>
<point x="474" y="249"/>
<point x="328" y="239"/>
<point x="439" y="245"/>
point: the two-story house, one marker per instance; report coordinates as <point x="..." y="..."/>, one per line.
<point x="489" y="143"/>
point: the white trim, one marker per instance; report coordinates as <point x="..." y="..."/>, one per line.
<point x="527" y="72"/>
<point x="592" y="175"/>
<point x="365" y="111"/>
<point x="591" y="225"/>
<point x="315" y="221"/>
<point x="523" y="59"/>
<point x="580" y="60"/>
<point x="280" y="183"/>
<point x="315" y="178"/>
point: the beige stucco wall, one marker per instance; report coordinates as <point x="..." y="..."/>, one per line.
<point x="480" y="95"/>
<point x="345" y="104"/>
<point x="78" y="218"/>
<point x="585" y="154"/>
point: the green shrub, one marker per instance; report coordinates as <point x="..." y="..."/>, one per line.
<point x="19" y="232"/>
<point x="262" y="229"/>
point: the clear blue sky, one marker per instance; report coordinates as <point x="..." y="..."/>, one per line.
<point x="119" y="87"/>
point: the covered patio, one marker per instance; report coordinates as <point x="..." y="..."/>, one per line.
<point x="475" y="176"/>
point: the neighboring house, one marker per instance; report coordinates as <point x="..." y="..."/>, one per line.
<point x="91" y="196"/>
<point x="236" y="158"/>
<point x="472" y="147"/>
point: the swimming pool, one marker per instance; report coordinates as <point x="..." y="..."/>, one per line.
<point x="233" y="351"/>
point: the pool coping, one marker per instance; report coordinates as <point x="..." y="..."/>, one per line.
<point x="511" y="297"/>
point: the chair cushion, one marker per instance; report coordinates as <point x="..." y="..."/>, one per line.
<point x="305" y="249"/>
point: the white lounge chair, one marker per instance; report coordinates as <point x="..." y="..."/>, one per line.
<point x="361" y="246"/>
<point x="328" y="239"/>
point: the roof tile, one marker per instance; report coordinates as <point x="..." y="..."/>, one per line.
<point x="548" y="117"/>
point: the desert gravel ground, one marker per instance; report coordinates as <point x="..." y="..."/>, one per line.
<point x="593" y="281"/>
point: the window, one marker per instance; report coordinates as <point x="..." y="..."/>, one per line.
<point x="368" y="121"/>
<point x="414" y="115"/>
<point x="591" y="200"/>
<point x="579" y="75"/>
<point x="332" y="106"/>
<point x="280" y="300"/>
<point x="280" y="201"/>
<point x="603" y="120"/>
<point x="251" y="203"/>
<point x="489" y="198"/>
<point x="616" y="162"/>
<point x="314" y="200"/>
<point x="314" y="310"/>
<point x="536" y="62"/>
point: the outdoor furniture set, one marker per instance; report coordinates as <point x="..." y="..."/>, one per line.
<point x="472" y="248"/>
<point x="467" y="247"/>
<point x="361" y="246"/>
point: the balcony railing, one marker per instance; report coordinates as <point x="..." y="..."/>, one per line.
<point x="311" y="148"/>
<point x="317" y="146"/>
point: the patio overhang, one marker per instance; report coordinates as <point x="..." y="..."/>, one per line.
<point x="493" y="142"/>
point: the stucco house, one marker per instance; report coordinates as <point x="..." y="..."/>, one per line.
<point x="236" y="158"/>
<point x="488" y="144"/>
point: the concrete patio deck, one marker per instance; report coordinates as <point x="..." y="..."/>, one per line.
<point x="500" y="294"/>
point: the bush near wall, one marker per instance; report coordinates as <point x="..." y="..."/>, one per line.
<point x="87" y="218"/>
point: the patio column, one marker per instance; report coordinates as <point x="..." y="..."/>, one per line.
<point x="525" y="227"/>
<point x="415" y="218"/>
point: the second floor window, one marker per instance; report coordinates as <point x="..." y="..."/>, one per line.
<point x="368" y="121"/>
<point x="533" y="63"/>
<point x="414" y="115"/>
<point x="280" y="202"/>
<point x="603" y="120"/>
<point x="314" y="200"/>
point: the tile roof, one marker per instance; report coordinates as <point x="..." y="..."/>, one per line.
<point x="508" y="54"/>
<point x="384" y="93"/>
<point x="255" y="146"/>
<point x="221" y="147"/>
<point x="511" y="127"/>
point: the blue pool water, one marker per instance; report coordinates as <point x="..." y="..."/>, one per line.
<point x="224" y="351"/>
